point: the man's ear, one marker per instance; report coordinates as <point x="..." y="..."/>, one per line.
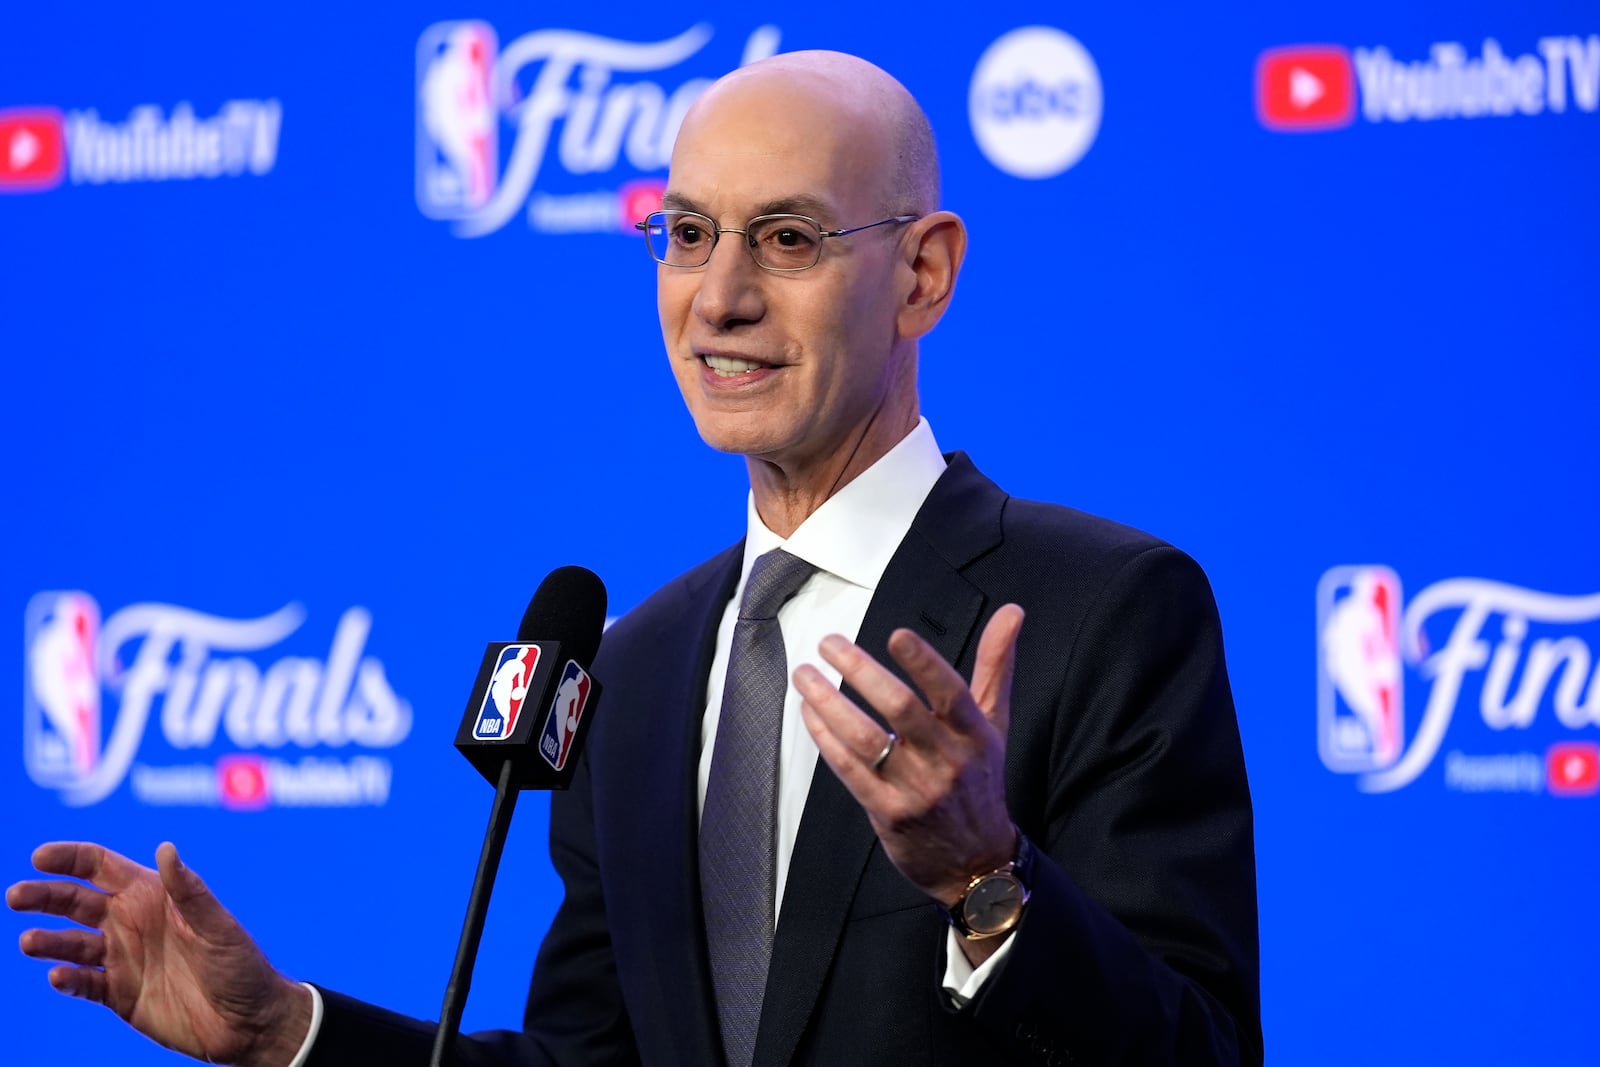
<point x="933" y="251"/>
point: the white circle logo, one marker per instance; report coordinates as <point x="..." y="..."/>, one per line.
<point x="1035" y="102"/>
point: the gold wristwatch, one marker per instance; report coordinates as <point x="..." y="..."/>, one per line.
<point x="992" y="903"/>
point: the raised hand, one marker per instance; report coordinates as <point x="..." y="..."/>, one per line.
<point x="937" y="801"/>
<point x="161" y="952"/>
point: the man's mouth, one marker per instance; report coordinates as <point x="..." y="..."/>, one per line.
<point x="731" y="366"/>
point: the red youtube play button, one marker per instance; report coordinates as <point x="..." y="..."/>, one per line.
<point x="1305" y="87"/>
<point x="1572" y="768"/>
<point x="242" y="782"/>
<point x="32" y="154"/>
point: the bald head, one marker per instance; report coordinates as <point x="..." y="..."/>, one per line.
<point x="867" y="114"/>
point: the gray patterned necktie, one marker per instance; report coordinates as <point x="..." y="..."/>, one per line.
<point x="739" y="825"/>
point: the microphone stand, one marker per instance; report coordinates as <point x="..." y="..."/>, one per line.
<point x="494" y="842"/>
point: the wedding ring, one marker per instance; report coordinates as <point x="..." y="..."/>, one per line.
<point x="888" y="747"/>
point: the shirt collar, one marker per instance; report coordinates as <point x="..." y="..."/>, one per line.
<point x="856" y="530"/>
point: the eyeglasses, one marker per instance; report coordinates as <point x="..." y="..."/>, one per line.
<point x="776" y="242"/>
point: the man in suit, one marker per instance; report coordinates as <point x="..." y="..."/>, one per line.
<point x="957" y="838"/>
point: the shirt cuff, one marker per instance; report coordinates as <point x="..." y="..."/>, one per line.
<point x="962" y="982"/>
<point x="316" y="1025"/>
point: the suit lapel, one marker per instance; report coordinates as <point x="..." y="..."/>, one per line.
<point x="922" y="589"/>
<point x="666" y="844"/>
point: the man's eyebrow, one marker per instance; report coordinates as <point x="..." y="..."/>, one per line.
<point x="679" y="202"/>
<point x="801" y="204"/>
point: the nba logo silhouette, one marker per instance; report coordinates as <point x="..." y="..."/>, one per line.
<point x="458" y="149"/>
<point x="561" y="725"/>
<point x="508" y="689"/>
<point x="61" y="688"/>
<point x="1360" y="723"/>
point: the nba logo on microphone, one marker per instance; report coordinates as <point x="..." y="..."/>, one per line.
<point x="508" y="690"/>
<point x="1360" y="683"/>
<point x="561" y="725"/>
<point x="458" y="149"/>
<point x="61" y="688"/>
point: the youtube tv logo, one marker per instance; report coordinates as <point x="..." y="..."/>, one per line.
<point x="32" y="150"/>
<point x="1572" y="769"/>
<point x="1305" y="88"/>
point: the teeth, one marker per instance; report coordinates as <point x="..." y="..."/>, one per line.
<point x="727" y="366"/>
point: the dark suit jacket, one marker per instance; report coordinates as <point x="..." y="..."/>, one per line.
<point x="1123" y="765"/>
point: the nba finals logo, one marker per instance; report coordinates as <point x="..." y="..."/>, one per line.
<point x="92" y="693"/>
<point x="1526" y="658"/>
<point x="587" y="104"/>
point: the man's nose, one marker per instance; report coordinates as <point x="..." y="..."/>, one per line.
<point x="730" y="285"/>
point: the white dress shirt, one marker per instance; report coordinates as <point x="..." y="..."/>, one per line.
<point x="849" y="539"/>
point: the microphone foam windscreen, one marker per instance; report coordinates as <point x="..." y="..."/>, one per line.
<point x="569" y="606"/>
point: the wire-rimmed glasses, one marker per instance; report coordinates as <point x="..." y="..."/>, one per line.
<point x="776" y="242"/>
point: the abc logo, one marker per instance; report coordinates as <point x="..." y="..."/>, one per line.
<point x="1035" y="102"/>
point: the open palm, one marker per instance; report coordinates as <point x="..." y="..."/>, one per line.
<point x="161" y="952"/>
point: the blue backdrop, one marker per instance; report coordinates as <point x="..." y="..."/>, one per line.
<point x="301" y="306"/>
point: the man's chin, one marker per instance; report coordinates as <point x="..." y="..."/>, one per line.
<point x="751" y="441"/>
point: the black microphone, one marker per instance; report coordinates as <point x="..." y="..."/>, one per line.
<point x="524" y="727"/>
<point x="531" y="703"/>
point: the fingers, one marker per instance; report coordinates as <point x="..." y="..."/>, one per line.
<point x="899" y="705"/>
<point x="84" y="951"/>
<point x="92" y="863"/>
<point x="84" y="947"/>
<point x="84" y="982"/>
<point x="946" y="691"/>
<point x="861" y="736"/>
<point x="934" y="721"/>
<point x="69" y="900"/>
<point x="996" y="664"/>
<point x="828" y="729"/>
<point x="200" y="909"/>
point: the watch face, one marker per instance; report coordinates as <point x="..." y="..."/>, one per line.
<point x="994" y="904"/>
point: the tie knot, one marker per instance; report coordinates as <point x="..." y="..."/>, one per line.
<point x="775" y="578"/>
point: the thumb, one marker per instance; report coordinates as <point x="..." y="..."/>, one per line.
<point x="995" y="664"/>
<point x="200" y="909"/>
